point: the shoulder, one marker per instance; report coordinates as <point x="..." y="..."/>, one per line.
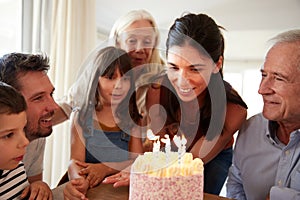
<point x="253" y="127"/>
<point x="235" y="116"/>
<point x="234" y="108"/>
<point x="257" y="121"/>
<point x="36" y="145"/>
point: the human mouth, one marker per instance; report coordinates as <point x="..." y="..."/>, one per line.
<point x="47" y="121"/>
<point x="185" y="90"/>
<point x="138" y="61"/>
<point x="117" y="96"/>
<point x="270" y="102"/>
<point x="18" y="159"/>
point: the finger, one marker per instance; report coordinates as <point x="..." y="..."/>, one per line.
<point x="40" y="195"/>
<point x="81" y="164"/>
<point x="25" y="192"/>
<point x="109" y="180"/>
<point x="124" y="182"/>
<point x="50" y="196"/>
<point x="90" y="177"/>
<point x="45" y="196"/>
<point x="84" y="171"/>
<point x="112" y="179"/>
<point x="72" y="193"/>
<point x="33" y="194"/>
<point x="94" y="181"/>
<point x="75" y="182"/>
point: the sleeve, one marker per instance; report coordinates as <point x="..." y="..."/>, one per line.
<point x="278" y="193"/>
<point x="34" y="157"/>
<point x="66" y="107"/>
<point x="234" y="184"/>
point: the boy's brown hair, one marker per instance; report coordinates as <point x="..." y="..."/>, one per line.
<point x="11" y="101"/>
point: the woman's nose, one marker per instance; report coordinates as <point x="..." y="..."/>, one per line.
<point x="139" y="46"/>
<point x="183" y="77"/>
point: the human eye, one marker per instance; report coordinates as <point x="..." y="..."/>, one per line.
<point x="52" y="93"/>
<point x="148" y="42"/>
<point x="38" y="98"/>
<point x="7" y="136"/>
<point x="196" y="69"/>
<point x="172" y="67"/>
<point x="131" y="40"/>
<point x="279" y="78"/>
<point x="126" y="78"/>
<point x="263" y="74"/>
<point x="108" y="77"/>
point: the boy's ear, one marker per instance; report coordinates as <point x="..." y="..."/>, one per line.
<point x="219" y="65"/>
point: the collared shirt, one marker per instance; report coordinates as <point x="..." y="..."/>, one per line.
<point x="262" y="165"/>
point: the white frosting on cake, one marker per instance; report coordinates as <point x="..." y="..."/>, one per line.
<point x="164" y="176"/>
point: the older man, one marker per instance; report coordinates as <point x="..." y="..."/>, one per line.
<point x="28" y="74"/>
<point x="267" y="153"/>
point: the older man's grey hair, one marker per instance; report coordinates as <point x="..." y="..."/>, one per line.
<point x="287" y="36"/>
<point x="291" y="36"/>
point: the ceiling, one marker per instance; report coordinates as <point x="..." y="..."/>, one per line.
<point x="249" y="24"/>
<point x="234" y="15"/>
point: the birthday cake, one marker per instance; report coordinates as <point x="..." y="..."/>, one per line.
<point x="160" y="175"/>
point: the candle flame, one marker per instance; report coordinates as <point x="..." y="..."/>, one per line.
<point x="166" y="140"/>
<point x="151" y="136"/>
<point x="177" y="141"/>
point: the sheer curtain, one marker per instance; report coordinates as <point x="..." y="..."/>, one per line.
<point x="73" y="36"/>
<point x="66" y="31"/>
<point x="36" y="24"/>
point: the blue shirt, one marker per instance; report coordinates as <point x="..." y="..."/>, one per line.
<point x="263" y="165"/>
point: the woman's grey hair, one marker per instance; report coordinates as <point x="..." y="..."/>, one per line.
<point x="126" y="20"/>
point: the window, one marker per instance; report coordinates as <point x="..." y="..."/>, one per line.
<point x="11" y="26"/>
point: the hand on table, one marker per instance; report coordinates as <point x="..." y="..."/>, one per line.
<point x="74" y="189"/>
<point x="37" y="190"/>
<point x="120" y="179"/>
<point x="94" y="173"/>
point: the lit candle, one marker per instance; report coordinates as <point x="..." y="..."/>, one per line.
<point x="156" y="146"/>
<point x="167" y="141"/>
<point x="155" y="139"/>
<point x="177" y="142"/>
<point x="183" y="145"/>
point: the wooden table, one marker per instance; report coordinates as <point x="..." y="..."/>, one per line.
<point x="107" y="192"/>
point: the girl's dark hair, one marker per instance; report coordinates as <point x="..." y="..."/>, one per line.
<point x="106" y="62"/>
<point x="11" y="101"/>
<point x="201" y="32"/>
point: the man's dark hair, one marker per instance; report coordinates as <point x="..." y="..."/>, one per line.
<point x="14" y="65"/>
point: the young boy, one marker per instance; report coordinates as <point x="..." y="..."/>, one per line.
<point x="13" y="142"/>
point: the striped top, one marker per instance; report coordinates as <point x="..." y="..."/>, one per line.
<point x="13" y="182"/>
